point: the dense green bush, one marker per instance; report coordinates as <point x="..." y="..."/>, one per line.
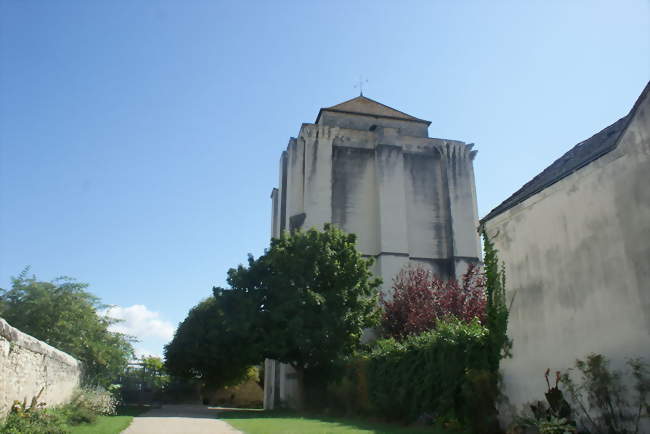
<point x="432" y="374"/>
<point x="33" y="419"/>
<point x="80" y="415"/>
<point x="36" y="422"/>
<point x="84" y="407"/>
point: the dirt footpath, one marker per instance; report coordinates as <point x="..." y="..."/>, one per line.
<point x="180" y="419"/>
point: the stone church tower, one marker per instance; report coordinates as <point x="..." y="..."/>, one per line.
<point x="374" y="171"/>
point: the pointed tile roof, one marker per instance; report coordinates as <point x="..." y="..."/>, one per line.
<point x="362" y="105"/>
<point x="577" y="157"/>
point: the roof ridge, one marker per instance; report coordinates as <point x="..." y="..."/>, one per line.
<point x="371" y="100"/>
<point x="391" y="112"/>
<point x="583" y="153"/>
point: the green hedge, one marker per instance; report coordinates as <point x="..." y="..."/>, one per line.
<point x="442" y="373"/>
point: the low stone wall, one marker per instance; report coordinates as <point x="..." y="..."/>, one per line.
<point x="27" y="365"/>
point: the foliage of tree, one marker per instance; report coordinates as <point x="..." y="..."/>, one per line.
<point x="305" y="302"/>
<point x="210" y="345"/>
<point x="63" y="314"/>
<point x="149" y="371"/>
<point x="420" y="300"/>
<point x="315" y="295"/>
<point x="153" y="364"/>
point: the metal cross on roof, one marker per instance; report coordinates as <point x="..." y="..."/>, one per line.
<point x="360" y="85"/>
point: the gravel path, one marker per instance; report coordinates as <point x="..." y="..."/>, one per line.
<point x="180" y="419"/>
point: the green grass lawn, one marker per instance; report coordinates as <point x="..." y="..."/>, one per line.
<point x="272" y="422"/>
<point x="110" y="424"/>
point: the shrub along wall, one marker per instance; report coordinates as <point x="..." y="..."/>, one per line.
<point x="27" y="365"/>
<point x="440" y="374"/>
<point x="429" y="374"/>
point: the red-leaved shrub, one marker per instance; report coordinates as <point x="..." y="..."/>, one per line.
<point x="420" y="299"/>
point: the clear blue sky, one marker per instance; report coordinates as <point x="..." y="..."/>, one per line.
<point x="139" y="140"/>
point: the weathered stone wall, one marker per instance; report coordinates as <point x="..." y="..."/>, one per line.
<point x="27" y="365"/>
<point x="576" y="258"/>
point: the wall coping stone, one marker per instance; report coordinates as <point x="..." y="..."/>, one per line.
<point x="16" y="337"/>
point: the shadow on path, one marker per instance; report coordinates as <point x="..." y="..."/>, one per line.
<point x="183" y="410"/>
<point x="286" y="418"/>
<point x="180" y="419"/>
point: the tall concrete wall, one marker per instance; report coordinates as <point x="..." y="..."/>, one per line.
<point x="577" y="264"/>
<point x="27" y="365"/>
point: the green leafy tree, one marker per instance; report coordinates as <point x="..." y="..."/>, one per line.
<point x="312" y="294"/>
<point x="153" y="364"/>
<point x="210" y="345"/>
<point x="63" y="314"/>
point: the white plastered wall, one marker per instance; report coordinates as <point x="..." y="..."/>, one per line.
<point x="576" y="257"/>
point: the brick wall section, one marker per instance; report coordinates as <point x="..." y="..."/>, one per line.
<point x="27" y="365"/>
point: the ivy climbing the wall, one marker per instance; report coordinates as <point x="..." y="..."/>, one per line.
<point x="497" y="309"/>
